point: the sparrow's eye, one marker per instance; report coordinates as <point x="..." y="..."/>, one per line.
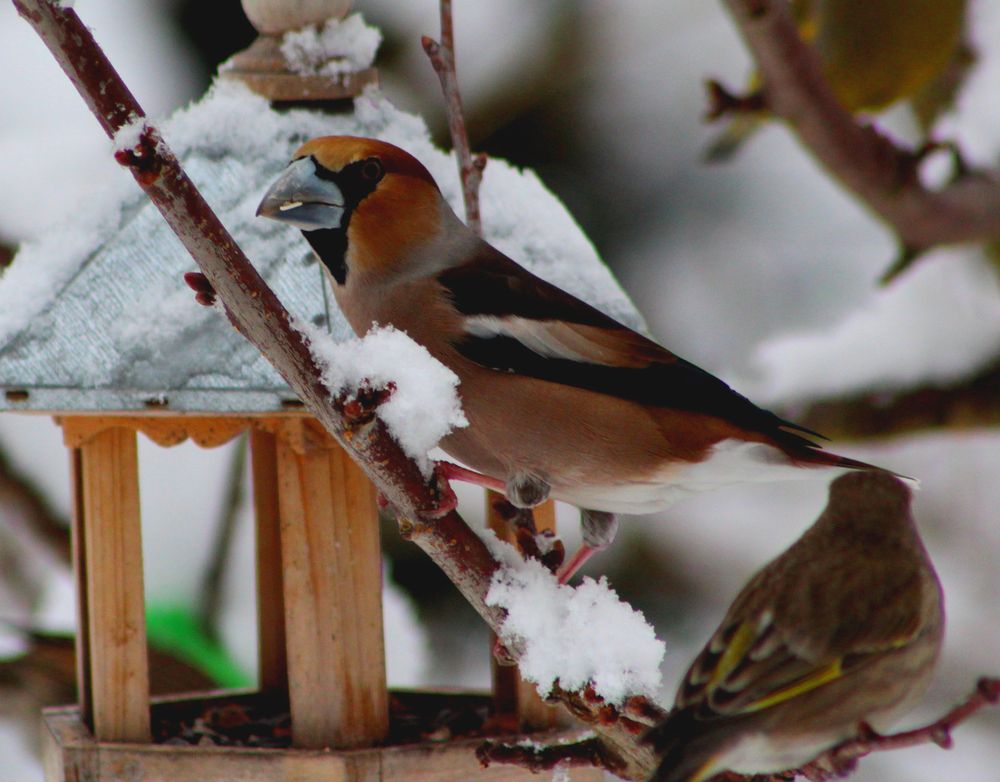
<point x="372" y="169"/>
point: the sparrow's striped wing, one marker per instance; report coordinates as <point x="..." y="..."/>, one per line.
<point x="516" y="322"/>
<point x="745" y="670"/>
<point x="746" y="667"/>
<point x="751" y="665"/>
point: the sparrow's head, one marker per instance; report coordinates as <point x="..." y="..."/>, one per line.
<point x="364" y="205"/>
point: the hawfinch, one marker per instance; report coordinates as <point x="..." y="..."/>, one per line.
<point x="562" y="400"/>
<point x="840" y="632"/>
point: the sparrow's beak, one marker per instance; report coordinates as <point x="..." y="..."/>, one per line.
<point x="302" y="198"/>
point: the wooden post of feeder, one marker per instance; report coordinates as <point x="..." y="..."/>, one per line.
<point x="112" y="668"/>
<point x="272" y="658"/>
<point x="332" y="586"/>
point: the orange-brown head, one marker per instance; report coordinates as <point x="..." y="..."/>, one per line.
<point x="365" y="206"/>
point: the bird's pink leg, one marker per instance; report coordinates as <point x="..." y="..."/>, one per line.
<point x="453" y="472"/>
<point x="578" y="560"/>
<point x="599" y="530"/>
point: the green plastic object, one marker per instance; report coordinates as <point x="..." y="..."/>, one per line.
<point x="175" y="629"/>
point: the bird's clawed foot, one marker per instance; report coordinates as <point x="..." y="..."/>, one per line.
<point x="445" y="499"/>
<point x="532" y="544"/>
<point x="445" y="473"/>
<point x="502" y="654"/>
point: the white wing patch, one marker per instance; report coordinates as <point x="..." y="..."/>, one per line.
<point x="540" y="337"/>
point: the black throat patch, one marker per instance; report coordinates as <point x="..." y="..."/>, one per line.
<point x="330" y="245"/>
<point x="356" y="181"/>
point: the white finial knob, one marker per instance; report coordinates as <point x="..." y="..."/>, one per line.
<point x="274" y="17"/>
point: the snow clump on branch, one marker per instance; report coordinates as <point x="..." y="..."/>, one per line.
<point x="573" y="636"/>
<point x="424" y="406"/>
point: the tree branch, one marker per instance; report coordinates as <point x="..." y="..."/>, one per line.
<point x="974" y="402"/>
<point x="868" y="163"/>
<point x="842" y="758"/>
<point x="544" y="757"/>
<point x="257" y="313"/>
<point x="470" y="170"/>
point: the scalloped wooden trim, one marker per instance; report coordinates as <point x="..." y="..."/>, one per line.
<point x="166" y="431"/>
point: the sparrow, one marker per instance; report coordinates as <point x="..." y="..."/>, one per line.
<point x="561" y="400"/>
<point x="836" y="638"/>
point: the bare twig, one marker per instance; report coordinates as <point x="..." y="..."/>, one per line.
<point x="844" y="756"/>
<point x="212" y="581"/>
<point x="256" y="312"/>
<point x="544" y="757"/>
<point x="470" y="169"/>
<point x="881" y="173"/>
<point x="722" y="101"/>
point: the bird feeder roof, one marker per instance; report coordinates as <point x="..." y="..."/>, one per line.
<point x="95" y="317"/>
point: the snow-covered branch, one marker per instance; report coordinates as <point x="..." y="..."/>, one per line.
<point x="871" y="165"/>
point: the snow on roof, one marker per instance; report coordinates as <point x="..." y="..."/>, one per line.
<point x="95" y="316"/>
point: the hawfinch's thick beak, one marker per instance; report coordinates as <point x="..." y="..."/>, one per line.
<point x="303" y="199"/>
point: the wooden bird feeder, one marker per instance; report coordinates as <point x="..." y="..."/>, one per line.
<point x="318" y="559"/>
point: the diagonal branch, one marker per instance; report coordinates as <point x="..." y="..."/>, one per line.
<point x="257" y="313"/>
<point x="843" y="757"/>
<point x="868" y="163"/>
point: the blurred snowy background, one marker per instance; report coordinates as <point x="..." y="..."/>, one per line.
<point x="762" y="271"/>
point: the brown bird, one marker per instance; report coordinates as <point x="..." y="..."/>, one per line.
<point x="561" y="399"/>
<point x="837" y="636"/>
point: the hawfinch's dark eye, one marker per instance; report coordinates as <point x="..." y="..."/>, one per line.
<point x="372" y="169"/>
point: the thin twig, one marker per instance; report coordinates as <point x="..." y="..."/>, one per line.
<point x="870" y="164"/>
<point x="470" y="169"/>
<point x="6" y="255"/>
<point x="537" y="757"/>
<point x="213" y="579"/>
<point x="844" y="756"/>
